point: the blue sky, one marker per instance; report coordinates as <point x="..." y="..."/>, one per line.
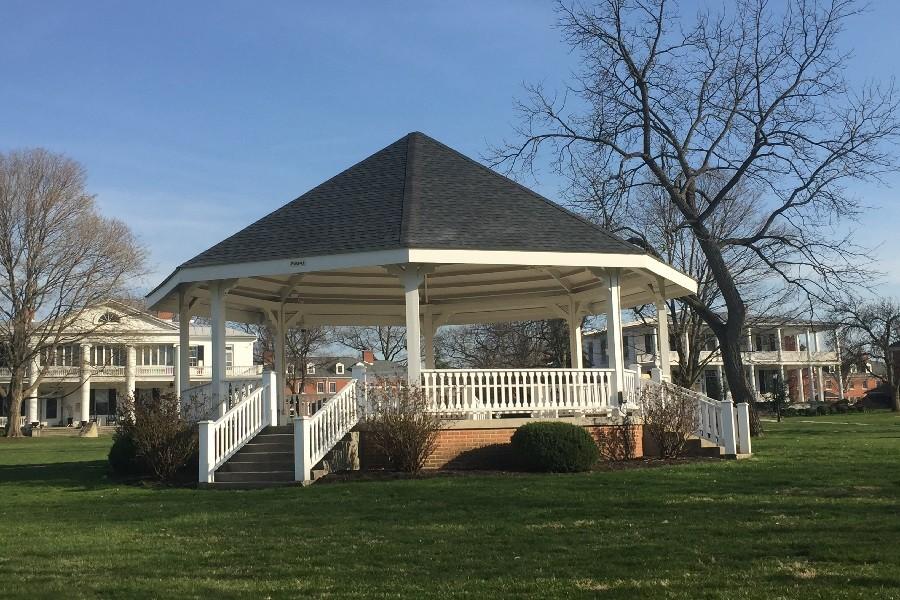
<point x="194" y="119"/>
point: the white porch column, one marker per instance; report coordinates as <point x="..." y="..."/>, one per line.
<point x="130" y="369"/>
<point x="176" y="369"/>
<point x="576" y="360"/>
<point x="749" y="340"/>
<point x="429" y="331"/>
<point x="780" y="344"/>
<point x="821" y="379"/>
<point x="721" y="380"/>
<point x="753" y="386"/>
<point x="85" y="383"/>
<point x="662" y="334"/>
<point x="34" y="370"/>
<point x="800" y="385"/>
<point x="615" y="341"/>
<point x="810" y="341"/>
<point x="837" y="367"/>
<point x="279" y="360"/>
<point x="184" y="342"/>
<point x="411" y="280"/>
<point x="217" y="316"/>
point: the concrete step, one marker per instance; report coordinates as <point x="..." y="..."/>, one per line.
<point x="263" y="446"/>
<point x="248" y="485"/>
<point x="257" y="465"/>
<point x="253" y="476"/>
<point x="279" y="429"/>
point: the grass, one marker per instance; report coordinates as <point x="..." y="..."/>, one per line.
<point x="815" y="514"/>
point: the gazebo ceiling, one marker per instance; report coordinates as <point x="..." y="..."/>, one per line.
<point x="490" y="250"/>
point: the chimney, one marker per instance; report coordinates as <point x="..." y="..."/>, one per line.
<point x="368" y="357"/>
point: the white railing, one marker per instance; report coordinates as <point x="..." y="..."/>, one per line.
<point x="154" y="371"/>
<point x="238" y="372"/>
<point x="56" y="372"/>
<point x="720" y="422"/>
<point x="23" y="421"/>
<point x="486" y="392"/>
<point x="200" y="399"/>
<point x="222" y="437"/>
<point x="108" y="371"/>
<point x="316" y="435"/>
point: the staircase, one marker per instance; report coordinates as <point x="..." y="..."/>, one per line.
<point x="265" y="461"/>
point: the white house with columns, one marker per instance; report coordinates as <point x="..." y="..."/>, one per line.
<point x="122" y="351"/>
<point x="805" y="354"/>
<point x="417" y="235"/>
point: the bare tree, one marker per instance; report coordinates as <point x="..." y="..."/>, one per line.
<point x="58" y="258"/>
<point x="388" y="341"/>
<point x="521" y="344"/>
<point x="754" y="97"/>
<point x="871" y="329"/>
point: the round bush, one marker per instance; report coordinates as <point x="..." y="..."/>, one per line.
<point x="123" y="458"/>
<point x="555" y="447"/>
<point x="821" y="410"/>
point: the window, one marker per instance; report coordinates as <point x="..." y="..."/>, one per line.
<point x="865" y="384"/>
<point x="157" y="355"/>
<point x="773" y="342"/>
<point x="320" y="387"/>
<point x="311" y="369"/>
<point x="332" y="387"/>
<point x="109" y="317"/>
<point x="102" y="356"/>
<point x="62" y="356"/>
<point x="50" y="408"/>
<point x="229" y="357"/>
<point x="649" y="346"/>
<point x="339" y="368"/>
<point x="196" y="359"/>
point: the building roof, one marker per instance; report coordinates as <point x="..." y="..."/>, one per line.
<point x="415" y="193"/>
<point x="230" y="332"/>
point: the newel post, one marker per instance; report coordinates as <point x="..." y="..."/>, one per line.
<point x="270" y="385"/>
<point x="207" y="452"/>
<point x="743" y="417"/>
<point x="726" y="422"/>
<point x="302" y="449"/>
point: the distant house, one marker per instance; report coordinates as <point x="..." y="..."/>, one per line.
<point x="802" y="353"/>
<point x="327" y="375"/>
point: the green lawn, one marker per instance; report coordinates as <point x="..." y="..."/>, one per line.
<point x="816" y="514"/>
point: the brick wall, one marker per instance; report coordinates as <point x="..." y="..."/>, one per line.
<point x="456" y="447"/>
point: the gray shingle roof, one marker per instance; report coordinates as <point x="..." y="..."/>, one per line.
<point x="415" y="193"/>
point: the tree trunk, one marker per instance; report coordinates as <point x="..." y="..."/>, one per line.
<point x="13" y="429"/>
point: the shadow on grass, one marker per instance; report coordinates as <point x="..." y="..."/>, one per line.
<point x="84" y="474"/>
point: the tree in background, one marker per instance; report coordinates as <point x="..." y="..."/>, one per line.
<point x="870" y="329"/>
<point x="58" y="258"/>
<point x="755" y="96"/>
<point x="388" y="342"/>
<point x="518" y="345"/>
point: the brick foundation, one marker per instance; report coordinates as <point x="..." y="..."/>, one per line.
<point x="458" y="445"/>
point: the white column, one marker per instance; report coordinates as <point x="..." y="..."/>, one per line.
<point x="411" y="280"/>
<point x="85" y="383"/>
<point x="753" y="381"/>
<point x="184" y="341"/>
<point x="840" y="375"/>
<point x="780" y="344"/>
<point x="130" y="369"/>
<point x="176" y="369"/>
<point x="721" y="382"/>
<point x="575" y="351"/>
<point x="749" y="340"/>
<point x="429" y="331"/>
<point x="615" y="342"/>
<point x="800" y="385"/>
<point x="810" y="340"/>
<point x="662" y="334"/>
<point x="217" y="316"/>
<point x="821" y="380"/>
<point x="34" y="370"/>
<point x="279" y="359"/>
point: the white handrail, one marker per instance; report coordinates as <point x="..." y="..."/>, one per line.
<point x="485" y="392"/>
<point x="221" y="438"/>
<point x="316" y="435"/>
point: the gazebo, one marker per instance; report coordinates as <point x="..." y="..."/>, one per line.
<point x="421" y="236"/>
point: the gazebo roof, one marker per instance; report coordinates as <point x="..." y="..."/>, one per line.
<point x="415" y="193"/>
<point x="487" y="249"/>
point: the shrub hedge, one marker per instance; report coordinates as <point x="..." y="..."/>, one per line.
<point x="555" y="447"/>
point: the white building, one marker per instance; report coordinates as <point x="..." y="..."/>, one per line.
<point x="128" y="351"/>
<point x="804" y="354"/>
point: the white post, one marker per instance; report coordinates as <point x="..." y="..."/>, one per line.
<point x="428" y="326"/>
<point x="662" y="334"/>
<point x="34" y="370"/>
<point x="270" y="381"/>
<point x="821" y="384"/>
<point x="411" y="280"/>
<point x="217" y="316"/>
<point x="207" y="452"/>
<point x="780" y="345"/>
<point x="615" y="346"/>
<point x="726" y="418"/>
<point x="176" y="369"/>
<point x="721" y="380"/>
<point x="302" y="454"/>
<point x="837" y="369"/>
<point x="85" y="383"/>
<point x="130" y="368"/>
<point x="753" y="385"/>
<point x="801" y="394"/>
<point x="358" y="373"/>
<point x="184" y="341"/>
<point x="743" y="417"/>
<point x="279" y="360"/>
